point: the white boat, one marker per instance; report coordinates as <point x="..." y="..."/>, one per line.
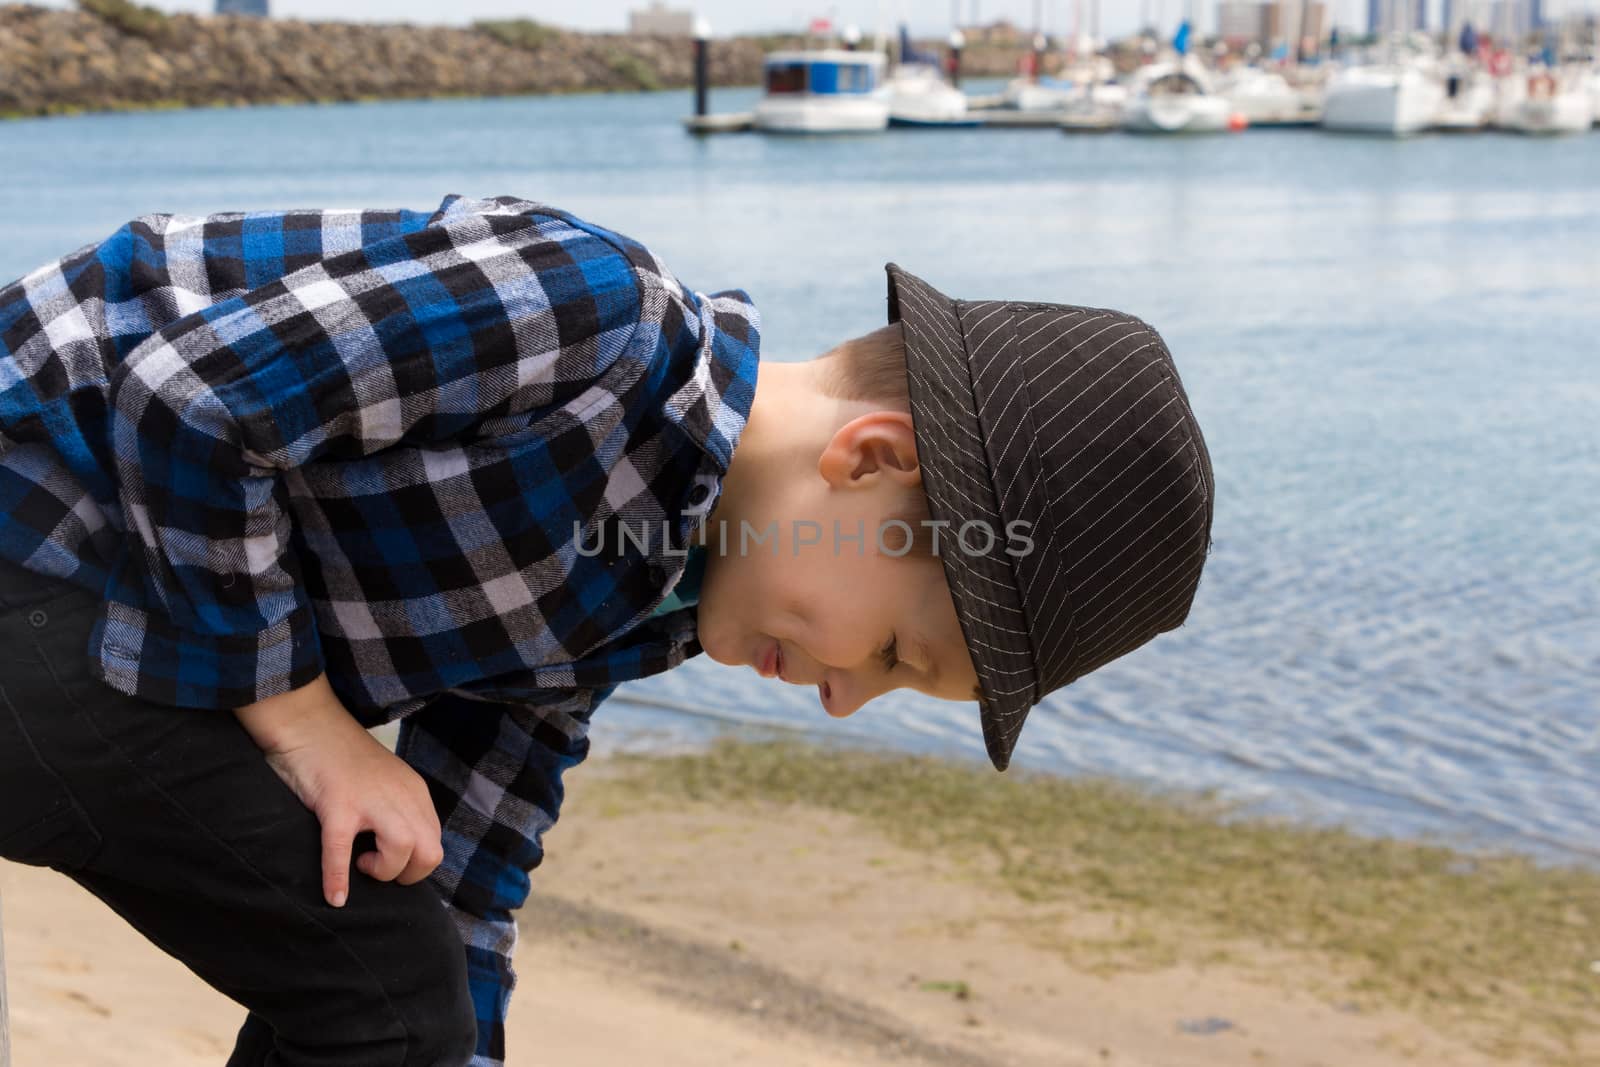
<point x="1101" y="104"/>
<point x="1468" y="102"/>
<point x="1394" y="100"/>
<point x="827" y="91"/>
<point x="1175" y="97"/>
<point x="1545" y="103"/>
<point x="1263" y="97"/>
<point x="1594" y="96"/>
<point x="920" y="95"/>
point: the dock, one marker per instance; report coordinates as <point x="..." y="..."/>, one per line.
<point x="992" y="118"/>
<point x="1005" y="119"/>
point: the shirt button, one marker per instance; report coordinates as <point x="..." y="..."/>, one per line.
<point x="697" y="495"/>
<point x="37" y="619"/>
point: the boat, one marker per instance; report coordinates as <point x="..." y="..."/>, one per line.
<point x="1395" y="99"/>
<point x="1468" y="101"/>
<point x="1263" y="97"/>
<point x="1175" y="97"/>
<point x="1545" y="102"/>
<point x="823" y="91"/>
<point x="919" y="93"/>
<point x="920" y="96"/>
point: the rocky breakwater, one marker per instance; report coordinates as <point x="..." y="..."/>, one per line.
<point x="115" y="56"/>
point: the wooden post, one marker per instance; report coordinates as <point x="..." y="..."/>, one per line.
<point x="702" y="66"/>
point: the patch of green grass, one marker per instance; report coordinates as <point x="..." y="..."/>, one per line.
<point x="634" y="71"/>
<point x="958" y="989"/>
<point x="136" y="20"/>
<point x="1497" y="943"/>
<point x="518" y="33"/>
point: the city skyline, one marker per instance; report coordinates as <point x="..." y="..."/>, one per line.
<point x="926" y="17"/>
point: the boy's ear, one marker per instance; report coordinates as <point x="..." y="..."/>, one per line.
<point x="878" y="445"/>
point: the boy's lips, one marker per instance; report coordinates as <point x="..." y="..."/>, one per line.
<point x="770" y="665"/>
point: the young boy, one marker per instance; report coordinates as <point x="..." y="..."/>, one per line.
<point x="471" y="470"/>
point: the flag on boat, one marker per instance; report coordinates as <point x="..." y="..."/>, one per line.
<point x="1180" y="41"/>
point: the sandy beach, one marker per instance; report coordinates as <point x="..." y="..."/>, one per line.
<point x="682" y="932"/>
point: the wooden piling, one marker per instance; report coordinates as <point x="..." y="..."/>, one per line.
<point x="702" y="66"/>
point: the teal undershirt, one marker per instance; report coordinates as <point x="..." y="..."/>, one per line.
<point x="687" y="592"/>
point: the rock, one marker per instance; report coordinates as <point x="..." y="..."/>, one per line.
<point x="1211" y="1024"/>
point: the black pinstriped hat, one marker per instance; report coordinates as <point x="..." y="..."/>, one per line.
<point x="1073" y="421"/>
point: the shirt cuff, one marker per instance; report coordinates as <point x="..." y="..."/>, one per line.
<point x="145" y="656"/>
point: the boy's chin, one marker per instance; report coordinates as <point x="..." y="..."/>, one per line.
<point x="715" y="641"/>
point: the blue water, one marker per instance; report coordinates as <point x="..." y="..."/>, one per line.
<point x="1393" y="347"/>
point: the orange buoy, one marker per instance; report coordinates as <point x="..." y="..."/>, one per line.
<point x="1237" y="121"/>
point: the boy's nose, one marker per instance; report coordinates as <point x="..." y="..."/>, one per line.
<point x="843" y="694"/>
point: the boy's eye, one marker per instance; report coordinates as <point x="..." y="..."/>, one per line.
<point x="889" y="653"/>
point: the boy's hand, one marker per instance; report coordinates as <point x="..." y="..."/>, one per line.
<point x="351" y="783"/>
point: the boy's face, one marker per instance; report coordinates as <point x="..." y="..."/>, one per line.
<point x="839" y="614"/>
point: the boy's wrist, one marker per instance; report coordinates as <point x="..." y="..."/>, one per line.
<point x="287" y="721"/>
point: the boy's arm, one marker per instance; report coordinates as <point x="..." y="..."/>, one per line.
<point x="412" y="338"/>
<point x="351" y="783"/>
<point x="495" y="774"/>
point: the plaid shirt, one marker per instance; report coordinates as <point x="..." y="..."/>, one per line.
<point x="370" y="443"/>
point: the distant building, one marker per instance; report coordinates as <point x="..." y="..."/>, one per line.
<point x="1513" y="19"/>
<point x="1245" y="22"/>
<point x="1535" y="14"/>
<point x="1447" y="16"/>
<point x="659" y="20"/>
<point x="1239" y="22"/>
<point x="1375" y="25"/>
<point x="999" y="32"/>
<point x="258" y="8"/>
<point x="1316" y="27"/>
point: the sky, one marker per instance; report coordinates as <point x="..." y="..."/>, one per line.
<point x="927" y="17"/>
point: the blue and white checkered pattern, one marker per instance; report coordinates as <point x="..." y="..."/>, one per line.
<point x="364" y="443"/>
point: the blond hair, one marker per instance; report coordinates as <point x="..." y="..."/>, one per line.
<point x="872" y="368"/>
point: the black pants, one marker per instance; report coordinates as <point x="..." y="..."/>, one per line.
<point x="173" y="818"/>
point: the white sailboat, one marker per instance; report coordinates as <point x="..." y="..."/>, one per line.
<point x="1176" y="96"/>
<point x="1468" y="100"/>
<point x="920" y="94"/>
<point x="1395" y="97"/>
<point x="1262" y="96"/>
<point x="1469" y="90"/>
<point x="1546" y="102"/>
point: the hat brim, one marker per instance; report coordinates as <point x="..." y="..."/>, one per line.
<point x="957" y="479"/>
